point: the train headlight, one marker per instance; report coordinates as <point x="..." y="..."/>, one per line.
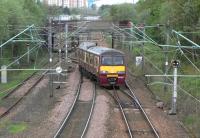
<point x="103" y="72"/>
<point x="121" y="72"/>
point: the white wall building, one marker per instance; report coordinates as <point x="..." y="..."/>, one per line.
<point x="67" y="3"/>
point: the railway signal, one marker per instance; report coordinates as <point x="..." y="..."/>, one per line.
<point x="175" y="64"/>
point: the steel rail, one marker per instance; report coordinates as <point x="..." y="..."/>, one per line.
<point x="91" y="111"/>
<point x="28" y="91"/>
<point x="59" y="131"/>
<point x="123" y="113"/>
<point x="142" y="110"/>
<point x="17" y="86"/>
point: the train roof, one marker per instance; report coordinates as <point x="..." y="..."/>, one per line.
<point x="98" y="50"/>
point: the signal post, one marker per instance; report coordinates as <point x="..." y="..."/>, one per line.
<point x="175" y="64"/>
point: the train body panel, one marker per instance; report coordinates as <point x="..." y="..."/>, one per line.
<point x="105" y="64"/>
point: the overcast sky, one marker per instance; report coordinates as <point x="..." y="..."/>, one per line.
<point x="110" y="2"/>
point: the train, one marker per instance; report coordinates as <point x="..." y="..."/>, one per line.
<point x="105" y="65"/>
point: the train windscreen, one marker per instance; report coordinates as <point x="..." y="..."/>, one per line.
<point x="115" y="60"/>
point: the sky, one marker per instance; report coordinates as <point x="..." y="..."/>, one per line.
<point x="110" y="2"/>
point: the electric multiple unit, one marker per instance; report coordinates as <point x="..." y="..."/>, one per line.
<point x="104" y="64"/>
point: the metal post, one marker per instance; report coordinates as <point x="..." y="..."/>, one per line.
<point x="66" y="52"/>
<point x="4" y="74"/>
<point x="60" y="60"/>
<point x="50" y="58"/>
<point x="143" y="50"/>
<point x="166" y="58"/>
<point x="51" y="78"/>
<point x="1" y="53"/>
<point x="175" y="64"/>
<point x="123" y="39"/>
<point x="28" y="53"/>
<point x="112" y="41"/>
<point x="174" y="95"/>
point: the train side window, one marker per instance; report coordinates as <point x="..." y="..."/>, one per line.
<point x="82" y="55"/>
<point x="91" y="59"/>
<point x="85" y="57"/>
<point x="88" y="58"/>
<point x="79" y="54"/>
<point x="96" y="61"/>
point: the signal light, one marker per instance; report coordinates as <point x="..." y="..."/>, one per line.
<point x="175" y="63"/>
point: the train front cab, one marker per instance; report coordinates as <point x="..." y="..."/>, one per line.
<point x="112" y="71"/>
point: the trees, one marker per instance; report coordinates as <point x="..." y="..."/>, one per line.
<point x="14" y="15"/>
<point x="19" y="13"/>
<point x="118" y="12"/>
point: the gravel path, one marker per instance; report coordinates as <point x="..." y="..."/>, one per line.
<point x="86" y="91"/>
<point x="97" y="127"/>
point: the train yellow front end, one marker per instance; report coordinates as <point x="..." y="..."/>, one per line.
<point x="112" y="75"/>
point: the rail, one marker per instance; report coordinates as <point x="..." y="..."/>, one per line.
<point x="142" y="110"/>
<point x="59" y="131"/>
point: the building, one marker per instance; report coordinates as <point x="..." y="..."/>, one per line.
<point x="90" y="3"/>
<point x="67" y="3"/>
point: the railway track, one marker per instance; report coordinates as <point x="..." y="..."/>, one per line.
<point x="136" y="120"/>
<point x="76" y="122"/>
<point x="11" y="97"/>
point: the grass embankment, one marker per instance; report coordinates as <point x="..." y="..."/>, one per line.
<point x="13" y="127"/>
<point x="15" y="78"/>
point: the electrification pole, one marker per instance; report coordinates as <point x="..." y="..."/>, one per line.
<point x="113" y="43"/>
<point x="66" y="52"/>
<point x="28" y="53"/>
<point x="166" y="56"/>
<point x="143" y="49"/>
<point x="50" y="57"/>
<point x="1" y="50"/>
